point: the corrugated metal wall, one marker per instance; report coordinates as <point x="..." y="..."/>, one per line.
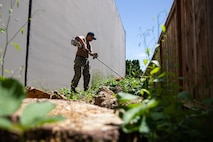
<point x="187" y="49"/>
<point x="50" y="57"/>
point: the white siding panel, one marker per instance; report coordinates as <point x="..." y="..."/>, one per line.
<point x="55" y="22"/>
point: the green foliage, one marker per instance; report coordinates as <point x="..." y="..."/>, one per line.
<point x="125" y="97"/>
<point x="148" y="51"/>
<point x="163" y="28"/>
<point x="145" y="61"/>
<point x="85" y="96"/>
<point x="16" y="46"/>
<point x="136" y="116"/>
<point x="133" y="68"/>
<point x="163" y="115"/>
<point x="12" y="94"/>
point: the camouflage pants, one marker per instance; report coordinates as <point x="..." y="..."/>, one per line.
<point x="81" y="64"/>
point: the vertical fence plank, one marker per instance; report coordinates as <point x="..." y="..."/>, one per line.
<point x="187" y="50"/>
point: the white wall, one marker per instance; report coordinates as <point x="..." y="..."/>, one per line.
<point x="55" y="22"/>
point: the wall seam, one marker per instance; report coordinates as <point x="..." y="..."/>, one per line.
<point x="28" y="41"/>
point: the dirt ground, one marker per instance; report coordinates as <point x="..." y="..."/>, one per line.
<point x="84" y="121"/>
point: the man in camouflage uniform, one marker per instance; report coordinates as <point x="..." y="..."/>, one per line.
<point x="81" y="61"/>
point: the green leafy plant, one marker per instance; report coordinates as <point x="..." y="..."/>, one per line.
<point x="136" y="115"/>
<point x="165" y="115"/>
<point x="12" y="94"/>
<point x="85" y="96"/>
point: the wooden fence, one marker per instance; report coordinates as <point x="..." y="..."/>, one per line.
<point x="187" y="47"/>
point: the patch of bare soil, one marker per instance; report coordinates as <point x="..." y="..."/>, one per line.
<point x="84" y="122"/>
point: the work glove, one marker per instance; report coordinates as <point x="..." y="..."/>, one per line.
<point x="95" y="55"/>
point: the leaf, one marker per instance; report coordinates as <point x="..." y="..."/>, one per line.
<point x="144" y="90"/>
<point x="155" y="70"/>
<point x="22" y="30"/>
<point x="124" y="97"/>
<point x="2" y="30"/>
<point x="133" y="73"/>
<point x="7" y="71"/>
<point x="35" y="114"/>
<point x="5" y="123"/>
<point x="157" y="116"/>
<point x="144" y="128"/>
<point x="156" y="63"/>
<point x="148" y="51"/>
<point x="12" y="93"/>
<point x="157" y="45"/>
<point x="17" y="3"/>
<point x="16" y="46"/>
<point x="152" y="103"/>
<point x="185" y="95"/>
<point x="163" y="28"/>
<point x="131" y="113"/>
<point x="10" y="11"/>
<point x="162" y="75"/>
<point x="49" y="119"/>
<point x="145" y="61"/>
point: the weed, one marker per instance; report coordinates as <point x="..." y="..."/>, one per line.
<point x="165" y="115"/>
